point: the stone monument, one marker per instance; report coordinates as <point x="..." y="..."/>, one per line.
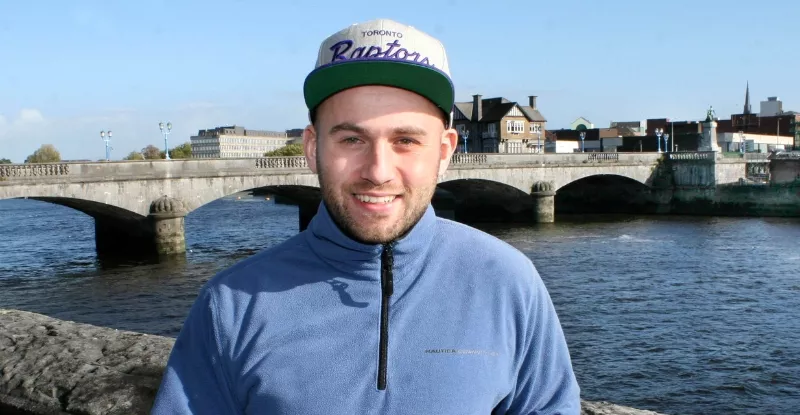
<point x="708" y="142"/>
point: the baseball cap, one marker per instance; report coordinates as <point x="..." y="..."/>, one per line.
<point x="381" y="52"/>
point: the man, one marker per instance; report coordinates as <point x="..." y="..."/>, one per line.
<point x="379" y="307"/>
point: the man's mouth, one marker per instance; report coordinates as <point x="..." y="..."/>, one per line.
<point x="375" y="199"/>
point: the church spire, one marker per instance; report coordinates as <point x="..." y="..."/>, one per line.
<point x="747" y="100"/>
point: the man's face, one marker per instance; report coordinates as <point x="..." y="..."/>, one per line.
<point x="378" y="152"/>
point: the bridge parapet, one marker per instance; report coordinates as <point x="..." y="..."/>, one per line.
<point x="693" y="155"/>
<point x="295" y="162"/>
<point x="34" y="170"/>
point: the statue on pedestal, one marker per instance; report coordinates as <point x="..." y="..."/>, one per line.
<point x="710" y="114"/>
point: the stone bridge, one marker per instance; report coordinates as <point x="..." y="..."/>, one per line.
<point x="139" y="206"/>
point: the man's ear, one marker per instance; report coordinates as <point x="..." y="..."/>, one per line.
<point x="310" y="147"/>
<point x="448" y="146"/>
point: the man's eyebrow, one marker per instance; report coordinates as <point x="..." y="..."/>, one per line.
<point x="346" y="126"/>
<point x="409" y="130"/>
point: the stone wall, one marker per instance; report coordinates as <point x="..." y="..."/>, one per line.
<point x="55" y="367"/>
<point x="738" y="200"/>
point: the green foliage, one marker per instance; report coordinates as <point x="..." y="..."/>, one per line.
<point x="5" y="161"/>
<point x="183" y="151"/>
<point x="286" y="151"/>
<point x="47" y="153"/>
<point x="134" y="155"/>
<point x="152" y="152"/>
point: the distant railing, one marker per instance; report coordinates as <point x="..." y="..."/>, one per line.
<point x="787" y="155"/>
<point x="297" y="162"/>
<point x="692" y="155"/>
<point x="466" y="158"/>
<point x="32" y="170"/>
<point x="603" y="157"/>
<point x="756" y="157"/>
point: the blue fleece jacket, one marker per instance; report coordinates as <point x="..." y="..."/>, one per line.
<point x="447" y="320"/>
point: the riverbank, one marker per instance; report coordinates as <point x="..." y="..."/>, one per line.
<point x="57" y="367"/>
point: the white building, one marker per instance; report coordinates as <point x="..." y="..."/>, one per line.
<point x="237" y="142"/>
<point x="771" y="107"/>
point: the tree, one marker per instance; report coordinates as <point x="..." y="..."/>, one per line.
<point x="134" y="155"/>
<point x="152" y="152"/>
<point x="286" y="151"/>
<point x="183" y="151"/>
<point x="47" y="153"/>
<point x="5" y="161"/>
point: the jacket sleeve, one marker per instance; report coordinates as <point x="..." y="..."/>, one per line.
<point x="545" y="382"/>
<point x="194" y="380"/>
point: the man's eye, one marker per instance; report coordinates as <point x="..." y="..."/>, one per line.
<point x="405" y="141"/>
<point x="350" y="140"/>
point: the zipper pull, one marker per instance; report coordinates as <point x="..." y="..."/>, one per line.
<point x="387" y="263"/>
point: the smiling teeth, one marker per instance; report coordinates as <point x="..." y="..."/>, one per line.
<point x="368" y="199"/>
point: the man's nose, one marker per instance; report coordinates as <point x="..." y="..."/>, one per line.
<point x="379" y="166"/>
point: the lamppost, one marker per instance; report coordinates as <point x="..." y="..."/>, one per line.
<point x="538" y="141"/>
<point x="741" y="146"/>
<point x="659" y="131"/>
<point x="466" y="135"/>
<point x="166" y="133"/>
<point x="583" y="136"/>
<point x="106" y="136"/>
<point x="666" y="142"/>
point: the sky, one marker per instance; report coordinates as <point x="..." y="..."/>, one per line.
<point x="70" y="69"/>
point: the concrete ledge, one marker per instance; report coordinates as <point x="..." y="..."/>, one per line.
<point x="54" y="367"/>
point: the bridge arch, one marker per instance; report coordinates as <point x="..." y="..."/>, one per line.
<point x="605" y="193"/>
<point x="482" y="200"/>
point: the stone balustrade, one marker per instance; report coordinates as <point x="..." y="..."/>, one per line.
<point x="30" y="170"/>
<point x="603" y="157"/>
<point x="297" y="162"/>
<point x="692" y="155"/>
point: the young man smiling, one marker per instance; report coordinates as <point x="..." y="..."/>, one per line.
<point x="379" y="306"/>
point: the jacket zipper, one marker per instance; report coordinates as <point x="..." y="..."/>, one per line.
<point x="387" y="288"/>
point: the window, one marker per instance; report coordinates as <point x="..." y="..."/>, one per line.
<point x="515" y="127"/>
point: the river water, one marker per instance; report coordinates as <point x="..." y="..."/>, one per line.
<point x="682" y="315"/>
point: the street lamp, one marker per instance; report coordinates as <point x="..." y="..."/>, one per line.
<point x="538" y="141"/>
<point x="666" y="142"/>
<point x="741" y="146"/>
<point x="166" y="133"/>
<point x="466" y="135"/>
<point x="107" y="137"/>
<point x="659" y="131"/>
<point x="583" y="136"/>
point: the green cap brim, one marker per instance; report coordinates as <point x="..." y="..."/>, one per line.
<point x="328" y="80"/>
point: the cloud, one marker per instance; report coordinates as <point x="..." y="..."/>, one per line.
<point x="29" y="116"/>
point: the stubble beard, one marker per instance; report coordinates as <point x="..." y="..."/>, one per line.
<point x="416" y="202"/>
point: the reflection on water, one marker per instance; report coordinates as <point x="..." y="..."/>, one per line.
<point x="685" y="315"/>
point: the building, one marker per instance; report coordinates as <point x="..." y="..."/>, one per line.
<point x="238" y="142"/>
<point x="634" y="128"/>
<point x="498" y="125"/>
<point x="581" y="124"/>
<point x="771" y="107"/>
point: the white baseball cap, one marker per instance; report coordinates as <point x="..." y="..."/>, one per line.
<point x="381" y="52"/>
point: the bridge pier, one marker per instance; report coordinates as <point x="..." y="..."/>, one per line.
<point x="167" y="221"/>
<point x="115" y="238"/>
<point x="544" y="202"/>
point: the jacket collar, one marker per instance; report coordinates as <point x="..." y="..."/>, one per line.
<point x="363" y="261"/>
